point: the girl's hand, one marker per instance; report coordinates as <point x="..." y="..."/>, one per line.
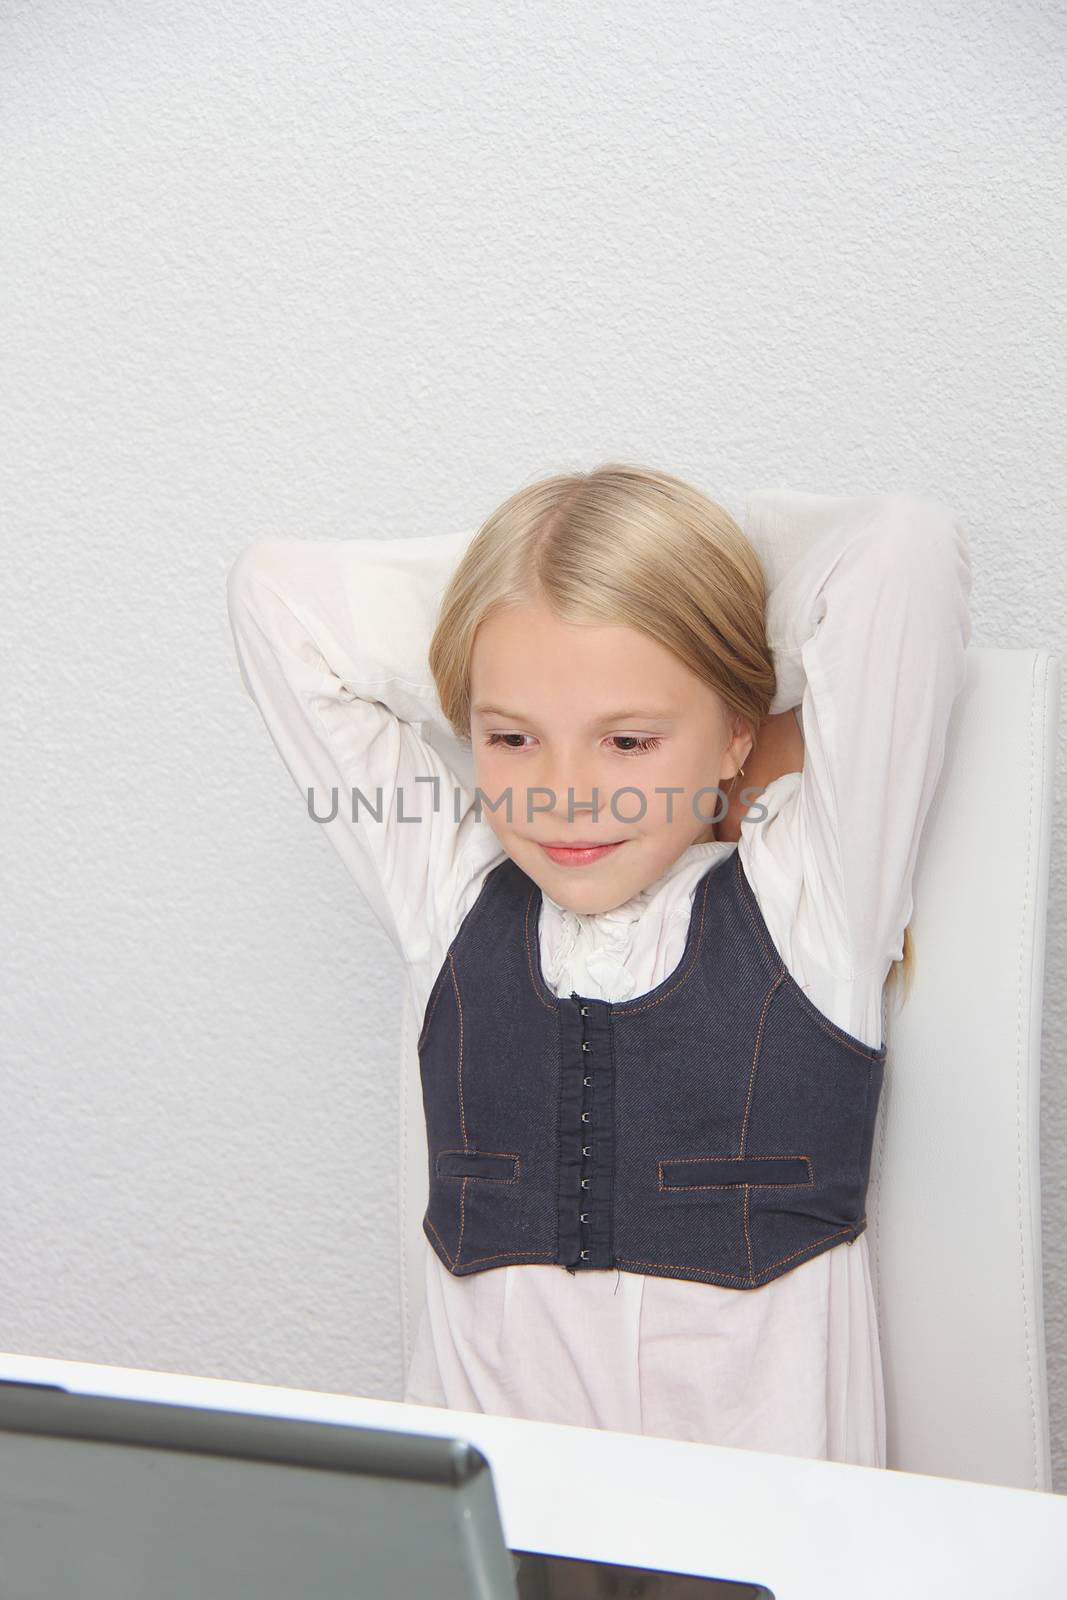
<point x="778" y="749"/>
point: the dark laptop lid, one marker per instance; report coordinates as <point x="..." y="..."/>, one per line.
<point x="116" y="1499"/>
<point x="111" y="1498"/>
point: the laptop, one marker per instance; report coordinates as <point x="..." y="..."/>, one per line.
<point x="109" y="1498"/>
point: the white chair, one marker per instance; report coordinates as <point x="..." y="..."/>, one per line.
<point x="954" y="1205"/>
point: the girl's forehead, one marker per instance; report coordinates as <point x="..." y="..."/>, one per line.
<point x="522" y="634"/>
<point x="526" y="661"/>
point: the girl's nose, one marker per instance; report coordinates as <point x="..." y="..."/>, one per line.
<point x="590" y="797"/>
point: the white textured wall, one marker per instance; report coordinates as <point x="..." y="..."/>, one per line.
<point x="293" y="269"/>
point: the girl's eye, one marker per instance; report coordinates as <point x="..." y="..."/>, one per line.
<point x="498" y="738"/>
<point x="650" y="743"/>
<point x="643" y="745"/>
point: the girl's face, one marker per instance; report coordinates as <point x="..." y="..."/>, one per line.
<point x="611" y="714"/>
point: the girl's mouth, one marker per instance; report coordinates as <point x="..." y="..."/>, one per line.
<point x="581" y="855"/>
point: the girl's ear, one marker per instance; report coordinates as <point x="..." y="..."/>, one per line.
<point x="742" y="742"/>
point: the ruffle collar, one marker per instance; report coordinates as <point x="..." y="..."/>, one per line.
<point x="607" y="937"/>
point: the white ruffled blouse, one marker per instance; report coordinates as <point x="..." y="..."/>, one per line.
<point x="868" y="618"/>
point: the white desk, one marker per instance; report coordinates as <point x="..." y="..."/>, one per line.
<point x="810" y="1530"/>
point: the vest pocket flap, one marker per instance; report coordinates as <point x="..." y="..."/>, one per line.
<point x="477" y="1164"/>
<point x="725" y="1172"/>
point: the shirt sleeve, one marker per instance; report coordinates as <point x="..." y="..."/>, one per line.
<point x="331" y="639"/>
<point x="868" y="626"/>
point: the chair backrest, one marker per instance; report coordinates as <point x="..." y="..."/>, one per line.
<point x="954" y="1206"/>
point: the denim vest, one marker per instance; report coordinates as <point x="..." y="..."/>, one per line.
<point x="717" y="1128"/>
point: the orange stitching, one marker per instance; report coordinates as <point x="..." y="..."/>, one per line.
<point x="510" y="1254"/>
<point x="428" y="1224"/>
<point x="696" y="1272"/>
<point x="462" y="1110"/>
<point x="454" y="1260"/>
<point x="468" y="1151"/>
<point x="685" y="1188"/>
<point x="438" y="981"/>
<point x="434" y="997"/>
<point x="529" y="953"/>
<point x="748" y="1106"/>
<point x="459" y="1064"/>
<point x="768" y="997"/>
<point x="479" y="1177"/>
<point x="629" y="1011"/>
<point x="866" y="1051"/>
<point x="627" y="1261"/>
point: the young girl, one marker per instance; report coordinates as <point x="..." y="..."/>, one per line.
<point x="650" y="1071"/>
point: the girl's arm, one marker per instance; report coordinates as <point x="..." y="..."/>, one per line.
<point x="331" y="639"/>
<point x="869" y="628"/>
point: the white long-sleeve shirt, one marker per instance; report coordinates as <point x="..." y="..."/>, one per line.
<point x="868" y="619"/>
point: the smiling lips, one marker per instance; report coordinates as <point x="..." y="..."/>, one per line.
<point x="579" y="854"/>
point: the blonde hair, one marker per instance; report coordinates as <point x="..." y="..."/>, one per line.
<point x="623" y="546"/>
